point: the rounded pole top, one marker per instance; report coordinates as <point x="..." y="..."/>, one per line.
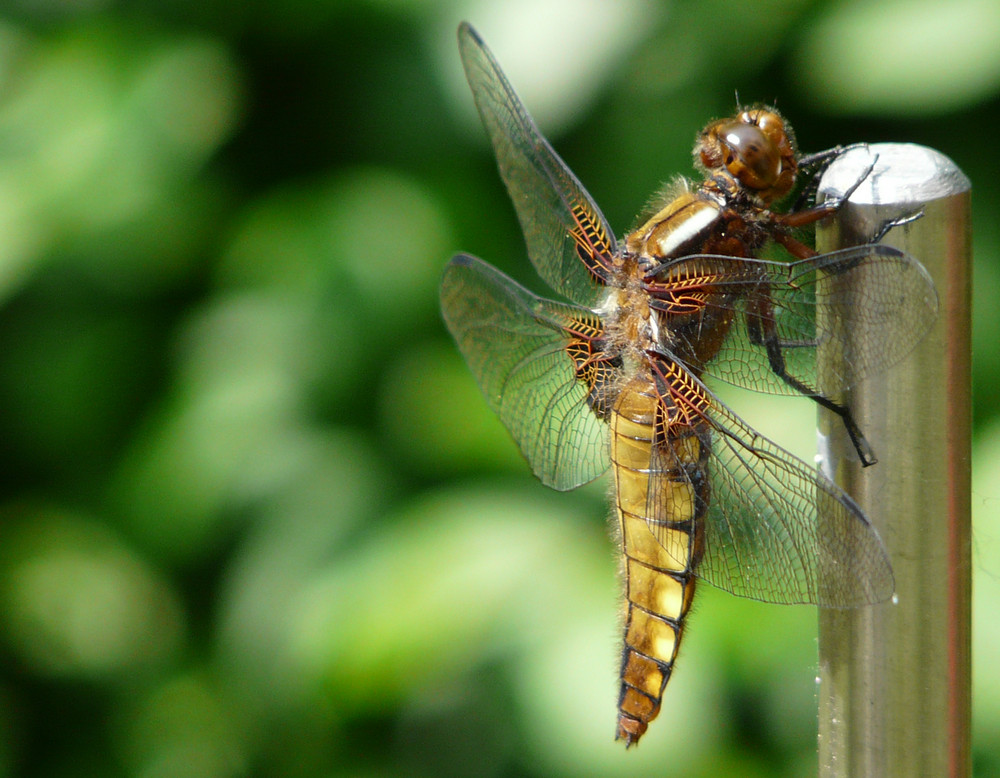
<point x="903" y="173"/>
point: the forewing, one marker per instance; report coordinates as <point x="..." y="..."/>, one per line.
<point x="539" y="364"/>
<point x="868" y="305"/>
<point x="568" y="240"/>
<point x="774" y="528"/>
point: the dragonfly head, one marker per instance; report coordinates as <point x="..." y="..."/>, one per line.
<point x="755" y="148"/>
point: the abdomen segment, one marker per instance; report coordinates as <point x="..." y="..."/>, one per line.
<point x="659" y="581"/>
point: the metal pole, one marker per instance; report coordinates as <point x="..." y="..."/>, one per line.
<point x="895" y="691"/>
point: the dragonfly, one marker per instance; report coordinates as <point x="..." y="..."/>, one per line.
<point x="614" y="376"/>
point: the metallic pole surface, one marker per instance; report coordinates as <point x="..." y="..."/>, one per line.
<point x="895" y="678"/>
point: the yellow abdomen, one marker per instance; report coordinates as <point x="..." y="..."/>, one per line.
<point x="659" y="583"/>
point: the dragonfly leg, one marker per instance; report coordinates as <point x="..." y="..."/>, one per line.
<point x="883" y="230"/>
<point x="796" y="248"/>
<point x="809" y="215"/>
<point x="777" y="362"/>
<point x="760" y="328"/>
<point x="827" y="156"/>
<point x="821" y="160"/>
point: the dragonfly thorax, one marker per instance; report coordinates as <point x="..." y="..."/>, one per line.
<point x="678" y="228"/>
<point x="631" y="326"/>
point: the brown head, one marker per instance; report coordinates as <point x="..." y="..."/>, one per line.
<point x="755" y="148"/>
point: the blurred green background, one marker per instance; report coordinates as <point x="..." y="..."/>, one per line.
<point x="256" y="518"/>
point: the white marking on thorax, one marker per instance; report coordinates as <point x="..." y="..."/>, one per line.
<point x="609" y="303"/>
<point x="654" y="327"/>
<point x="687" y="230"/>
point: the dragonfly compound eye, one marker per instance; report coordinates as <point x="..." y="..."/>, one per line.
<point x="750" y="156"/>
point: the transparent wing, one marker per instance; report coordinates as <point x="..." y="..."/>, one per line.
<point x="540" y="365"/>
<point x="568" y="240"/>
<point x="869" y="305"/>
<point x="774" y="528"/>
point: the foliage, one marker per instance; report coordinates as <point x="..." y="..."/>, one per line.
<point x="256" y="518"/>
